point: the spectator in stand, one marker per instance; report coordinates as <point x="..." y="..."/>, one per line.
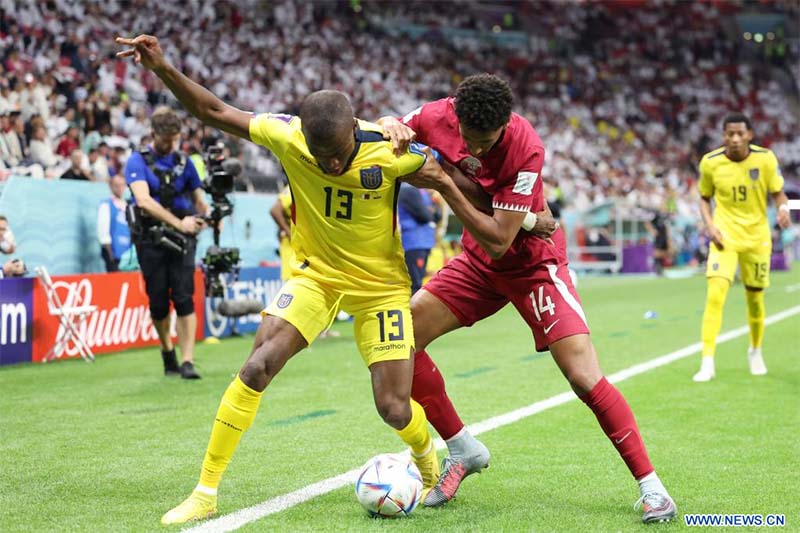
<point x="15" y="139"/>
<point x="112" y="226"/>
<point x="69" y="142"/>
<point x="98" y="164"/>
<point x="11" y="267"/>
<point x="77" y="171"/>
<point x="7" y="244"/>
<point x="41" y="151"/>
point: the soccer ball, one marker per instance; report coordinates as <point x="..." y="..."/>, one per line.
<point x="389" y="485"/>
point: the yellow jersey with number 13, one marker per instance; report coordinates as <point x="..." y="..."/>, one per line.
<point x="344" y="230"/>
<point x="740" y="189"/>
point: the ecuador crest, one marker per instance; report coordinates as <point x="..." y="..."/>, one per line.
<point x="372" y="177"/>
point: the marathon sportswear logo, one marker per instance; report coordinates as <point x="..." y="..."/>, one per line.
<point x="754" y="174"/>
<point x="525" y="182"/>
<point x="372" y="177"/>
<point x="284" y="300"/>
<point x="304" y="159"/>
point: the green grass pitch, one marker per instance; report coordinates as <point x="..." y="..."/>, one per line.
<point x="113" y="445"/>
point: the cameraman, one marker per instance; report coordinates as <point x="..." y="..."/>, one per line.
<point x="167" y="192"/>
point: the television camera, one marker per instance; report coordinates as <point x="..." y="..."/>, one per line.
<point x="219" y="262"/>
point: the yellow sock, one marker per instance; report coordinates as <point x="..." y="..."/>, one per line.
<point x="712" y="317"/>
<point x="416" y="433"/>
<point x="236" y="413"/>
<point x="755" y="316"/>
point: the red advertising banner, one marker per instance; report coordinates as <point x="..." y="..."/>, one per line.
<point x="120" y="321"/>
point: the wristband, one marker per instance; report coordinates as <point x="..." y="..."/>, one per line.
<point x="530" y="221"/>
<point x="784" y="207"/>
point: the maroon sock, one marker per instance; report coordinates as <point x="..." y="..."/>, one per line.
<point x="616" y="419"/>
<point x="427" y="390"/>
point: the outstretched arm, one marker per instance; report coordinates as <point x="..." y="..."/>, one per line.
<point x="197" y="100"/>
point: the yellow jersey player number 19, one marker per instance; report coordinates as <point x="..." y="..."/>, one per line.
<point x="739" y="177"/>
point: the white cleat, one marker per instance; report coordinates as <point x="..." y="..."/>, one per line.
<point x="706" y="372"/>
<point x="757" y="366"/>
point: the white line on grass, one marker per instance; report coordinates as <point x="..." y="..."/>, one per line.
<point x="793" y="288"/>
<point x="239" y="518"/>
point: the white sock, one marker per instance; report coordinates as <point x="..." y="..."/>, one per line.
<point x="206" y="490"/>
<point x="460" y="444"/>
<point x="651" y="483"/>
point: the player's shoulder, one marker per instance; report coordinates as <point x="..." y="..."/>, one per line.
<point x="369" y="132"/>
<point x="523" y="132"/>
<point x="761" y="153"/>
<point x="437" y="112"/>
<point x="714" y="154"/>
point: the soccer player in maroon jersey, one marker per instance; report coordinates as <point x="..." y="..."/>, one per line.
<point x="477" y="133"/>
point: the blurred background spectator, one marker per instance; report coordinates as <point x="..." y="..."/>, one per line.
<point x="626" y="97"/>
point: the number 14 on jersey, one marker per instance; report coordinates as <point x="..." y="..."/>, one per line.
<point x="543" y="305"/>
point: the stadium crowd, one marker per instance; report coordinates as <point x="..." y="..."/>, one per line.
<point x="625" y="105"/>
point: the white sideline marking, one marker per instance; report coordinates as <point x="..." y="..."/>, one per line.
<point x="237" y="519"/>
<point x="793" y="288"/>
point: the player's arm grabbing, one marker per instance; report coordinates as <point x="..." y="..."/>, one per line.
<point x="494" y="232"/>
<point x="543" y="224"/>
<point x="197" y="100"/>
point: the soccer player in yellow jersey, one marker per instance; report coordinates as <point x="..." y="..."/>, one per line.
<point x="738" y="176"/>
<point x="344" y="183"/>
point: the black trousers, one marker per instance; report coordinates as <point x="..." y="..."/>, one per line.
<point x="112" y="265"/>
<point x="168" y="276"/>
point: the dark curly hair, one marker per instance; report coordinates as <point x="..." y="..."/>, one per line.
<point x="483" y="102"/>
<point x="735" y="118"/>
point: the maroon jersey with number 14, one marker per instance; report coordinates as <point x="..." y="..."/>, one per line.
<point x="532" y="274"/>
<point x="509" y="173"/>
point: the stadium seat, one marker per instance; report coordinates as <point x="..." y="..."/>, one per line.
<point x="71" y="316"/>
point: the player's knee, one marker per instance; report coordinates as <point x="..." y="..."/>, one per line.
<point x="395" y="411"/>
<point x="159" y="309"/>
<point x="579" y="365"/>
<point x="717" y="291"/>
<point x="753" y="289"/>
<point x="263" y="363"/>
<point x="583" y="380"/>
<point x="184" y="306"/>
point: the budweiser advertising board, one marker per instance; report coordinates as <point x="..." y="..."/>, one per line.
<point x="121" y="319"/>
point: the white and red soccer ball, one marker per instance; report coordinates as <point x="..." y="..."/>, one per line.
<point x="389" y="485"/>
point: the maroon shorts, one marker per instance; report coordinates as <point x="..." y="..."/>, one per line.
<point x="543" y="295"/>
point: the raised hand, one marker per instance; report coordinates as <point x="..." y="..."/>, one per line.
<point x="397" y="132"/>
<point x="145" y="51"/>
